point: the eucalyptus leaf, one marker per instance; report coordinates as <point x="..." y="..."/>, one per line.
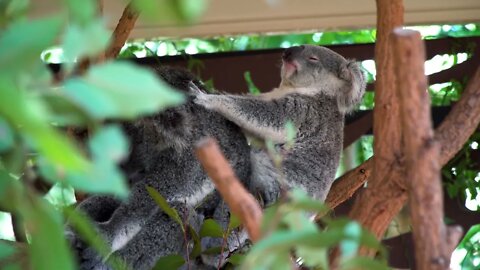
<point x="109" y="143"/>
<point x="6" y="250"/>
<point x="121" y="90"/>
<point x="85" y="40"/>
<point x="236" y="259"/>
<point x="45" y="225"/>
<point x="197" y="246"/>
<point x="169" y="262"/>
<point x="23" y="41"/>
<point x="163" y="204"/>
<point x="363" y="263"/>
<point x="103" y="176"/>
<point x="64" y="111"/>
<point x="82" y="12"/>
<point x="6" y="136"/>
<point x="28" y="116"/>
<point x="211" y="228"/>
<point x="234" y="222"/>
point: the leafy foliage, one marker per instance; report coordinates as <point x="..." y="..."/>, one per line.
<point x="35" y="115"/>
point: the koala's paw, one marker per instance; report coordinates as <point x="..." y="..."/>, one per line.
<point x="203" y="100"/>
<point x="194" y="90"/>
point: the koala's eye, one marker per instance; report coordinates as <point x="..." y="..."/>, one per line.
<point x="313" y="58"/>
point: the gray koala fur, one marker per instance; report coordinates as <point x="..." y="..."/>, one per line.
<point x="317" y="89"/>
<point x="162" y="157"/>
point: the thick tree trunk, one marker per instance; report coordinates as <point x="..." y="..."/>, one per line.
<point x="384" y="195"/>
<point x="422" y="168"/>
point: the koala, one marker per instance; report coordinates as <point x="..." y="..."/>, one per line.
<point x="162" y="156"/>
<point x="318" y="87"/>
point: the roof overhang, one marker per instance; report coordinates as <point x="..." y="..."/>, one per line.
<point x="231" y="17"/>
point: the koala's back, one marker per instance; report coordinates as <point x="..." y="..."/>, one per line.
<point x="163" y="144"/>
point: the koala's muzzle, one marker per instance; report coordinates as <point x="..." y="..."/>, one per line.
<point x="292" y="52"/>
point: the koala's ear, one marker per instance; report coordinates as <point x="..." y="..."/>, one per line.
<point x="345" y="72"/>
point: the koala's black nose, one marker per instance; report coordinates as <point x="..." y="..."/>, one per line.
<point x="292" y="52"/>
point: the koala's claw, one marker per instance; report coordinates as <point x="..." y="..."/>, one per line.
<point x="194" y="89"/>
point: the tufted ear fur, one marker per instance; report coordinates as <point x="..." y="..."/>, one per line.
<point x="354" y="88"/>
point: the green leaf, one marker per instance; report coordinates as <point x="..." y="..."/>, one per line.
<point x="169" y="262"/>
<point x="300" y="200"/>
<point x="23" y="41"/>
<point x="252" y="88"/>
<point x="349" y="247"/>
<point x="163" y="204"/>
<point x="82" y="12"/>
<point x="6" y="250"/>
<point x="236" y="259"/>
<point x="109" y="143"/>
<point x="121" y="90"/>
<point x="211" y="228"/>
<point x="291" y="133"/>
<point x="85" y="41"/>
<point x="197" y="246"/>
<point x="27" y="115"/>
<point x="64" y="111"/>
<point x="84" y="227"/>
<point x="103" y="176"/>
<point x="6" y="136"/>
<point x="234" y="222"/>
<point x="46" y="226"/>
<point x="363" y="263"/>
<point x="313" y="257"/>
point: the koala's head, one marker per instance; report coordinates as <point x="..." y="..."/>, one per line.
<point x="321" y="69"/>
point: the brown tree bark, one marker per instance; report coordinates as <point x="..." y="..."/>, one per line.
<point x="384" y="196"/>
<point x="240" y="201"/>
<point x="119" y="37"/>
<point x="422" y="168"/>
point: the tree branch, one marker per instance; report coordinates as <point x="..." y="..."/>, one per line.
<point x="122" y="31"/>
<point x="240" y="201"/>
<point x="422" y="169"/>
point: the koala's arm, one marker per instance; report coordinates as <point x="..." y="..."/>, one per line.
<point x="259" y="116"/>
<point x="352" y="93"/>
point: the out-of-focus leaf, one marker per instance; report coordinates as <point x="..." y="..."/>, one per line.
<point x="349" y="247"/>
<point x="282" y="261"/>
<point x="82" y="12"/>
<point x="163" y="204"/>
<point x="84" y="227"/>
<point x="301" y="201"/>
<point x="211" y="228"/>
<point x="197" y="246"/>
<point x="363" y="263"/>
<point x="299" y="221"/>
<point x="121" y="90"/>
<point x="63" y="111"/>
<point x="16" y="7"/>
<point x="103" y="176"/>
<point x="6" y="250"/>
<point x="27" y="115"/>
<point x="23" y="41"/>
<point x="234" y="222"/>
<point x="85" y="41"/>
<point x="236" y="259"/>
<point x="169" y="262"/>
<point x="109" y="143"/>
<point x="313" y="256"/>
<point x="6" y="136"/>
<point x="45" y="225"/>
<point x="291" y="132"/>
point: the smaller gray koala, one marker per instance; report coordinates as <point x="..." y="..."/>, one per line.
<point x="317" y="89"/>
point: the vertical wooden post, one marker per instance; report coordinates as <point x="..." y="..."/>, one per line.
<point x="422" y="167"/>
<point x="384" y="196"/>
